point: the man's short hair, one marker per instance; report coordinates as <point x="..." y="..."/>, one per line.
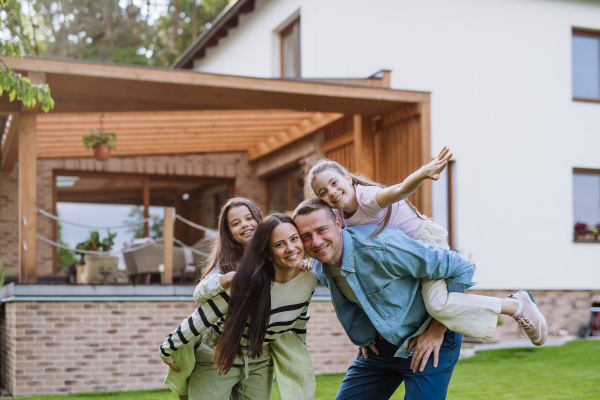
<point x="310" y="206"/>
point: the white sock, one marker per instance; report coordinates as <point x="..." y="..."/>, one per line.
<point x="518" y="309"/>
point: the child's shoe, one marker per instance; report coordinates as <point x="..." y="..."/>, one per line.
<point x="531" y="321"/>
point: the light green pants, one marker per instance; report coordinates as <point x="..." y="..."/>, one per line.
<point x="251" y="381"/>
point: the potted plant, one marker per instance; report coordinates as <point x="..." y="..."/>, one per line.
<point x="99" y="268"/>
<point x="101" y="142"/>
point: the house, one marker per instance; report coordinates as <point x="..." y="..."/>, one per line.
<point x="515" y="94"/>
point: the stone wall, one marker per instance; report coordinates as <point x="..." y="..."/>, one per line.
<point x="219" y="165"/>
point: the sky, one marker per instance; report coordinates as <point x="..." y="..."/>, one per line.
<point x="98" y="215"/>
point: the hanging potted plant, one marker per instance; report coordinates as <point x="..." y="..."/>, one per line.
<point x="101" y="142"/>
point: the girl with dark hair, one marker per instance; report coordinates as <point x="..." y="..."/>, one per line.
<point x="271" y="290"/>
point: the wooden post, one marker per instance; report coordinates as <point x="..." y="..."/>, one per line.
<point x="426" y="206"/>
<point x="364" y="146"/>
<point x="146" y="196"/>
<point x="27" y="198"/>
<point x="168" y="245"/>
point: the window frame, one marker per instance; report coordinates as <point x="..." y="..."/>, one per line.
<point x="293" y="27"/>
<point x="586" y="33"/>
<point x="583" y="171"/>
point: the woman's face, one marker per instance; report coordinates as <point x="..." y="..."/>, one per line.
<point x="334" y="189"/>
<point x="285" y="247"/>
<point x="241" y="224"/>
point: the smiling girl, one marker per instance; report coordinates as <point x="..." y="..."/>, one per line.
<point x="357" y="200"/>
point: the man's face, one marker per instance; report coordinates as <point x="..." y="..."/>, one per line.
<point x="321" y="237"/>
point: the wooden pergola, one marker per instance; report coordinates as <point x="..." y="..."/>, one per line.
<point x="167" y="111"/>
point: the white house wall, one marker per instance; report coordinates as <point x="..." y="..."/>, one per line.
<point x="500" y="76"/>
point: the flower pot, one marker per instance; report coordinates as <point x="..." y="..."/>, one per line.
<point x="101" y="269"/>
<point x="102" y="152"/>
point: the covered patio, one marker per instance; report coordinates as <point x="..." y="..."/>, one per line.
<point x="158" y="113"/>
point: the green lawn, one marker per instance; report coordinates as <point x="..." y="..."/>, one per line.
<point x="571" y="371"/>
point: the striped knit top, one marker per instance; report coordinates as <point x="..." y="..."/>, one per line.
<point x="289" y="313"/>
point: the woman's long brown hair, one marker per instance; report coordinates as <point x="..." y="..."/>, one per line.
<point x="226" y="253"/>
<point x="250" y="299"/>
<point x="357" y="179"/>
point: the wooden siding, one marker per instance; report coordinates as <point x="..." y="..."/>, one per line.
<point x="339" y="143"/>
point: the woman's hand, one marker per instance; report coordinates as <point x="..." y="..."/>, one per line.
<point x="305" y="266"/>
<point x="227" y="279"/>
<point x="174" y="367"/>
<point x="435" y="167"/>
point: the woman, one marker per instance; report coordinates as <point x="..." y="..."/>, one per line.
<point x="275" y="294"/>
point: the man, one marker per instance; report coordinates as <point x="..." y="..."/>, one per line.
<point x="375" y="291"/>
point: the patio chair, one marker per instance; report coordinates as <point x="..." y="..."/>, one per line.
<point x="148" y="259"/>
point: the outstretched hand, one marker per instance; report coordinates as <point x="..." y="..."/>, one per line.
<point x="425" y="344"/>
<point x="435" y="167"/>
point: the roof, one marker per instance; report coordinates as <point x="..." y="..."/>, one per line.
<point x="228" y="19"/>
<point x="167" y="111"/>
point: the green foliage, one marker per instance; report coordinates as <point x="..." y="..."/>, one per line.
<point x="95" y="139"/>
<point x="3" y="271"/>
<point x="124" y="32"/>
<point x="93" y="243"/>
<point x="65" y="258"/>
<point x="137" y="214"/>
<point x="20" y="87"/>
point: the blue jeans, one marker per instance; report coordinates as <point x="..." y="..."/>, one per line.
<point x="378" y="376"/>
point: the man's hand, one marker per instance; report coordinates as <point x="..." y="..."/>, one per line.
<point x="435" y="167"/>
<point x="174" y="367"/>
<point x="428" y="342"/>
<point x="363" y="350"/>
<point x="227" y="279"/>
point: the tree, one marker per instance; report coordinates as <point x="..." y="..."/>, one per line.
<point x="65" y="258"/>
<point x="120" y="31"/>
<point x="137" y="214"/>
<point x="175" y="31"/>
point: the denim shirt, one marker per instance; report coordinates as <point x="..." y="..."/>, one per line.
<point x="385" y="275"/>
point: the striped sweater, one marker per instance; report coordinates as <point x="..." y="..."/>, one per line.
<point x="289" y="313"/>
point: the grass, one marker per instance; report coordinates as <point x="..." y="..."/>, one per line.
<point x="571" y="371"/>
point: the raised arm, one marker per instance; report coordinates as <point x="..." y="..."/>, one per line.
<point x="393" y="194"/>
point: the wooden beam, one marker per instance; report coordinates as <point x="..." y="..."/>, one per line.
<point x="10" y="149"/>
<point x="364" y="145"/>
<point x="27" y="198"/>
<point x="146" y="197"/>
<point x="425" y="194"/>
<point x="168" y="245"/>
<point x="304" y="128"/>
<point x="338" y="141"/>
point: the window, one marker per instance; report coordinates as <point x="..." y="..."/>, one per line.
<point x="285" y="190"/>
<point x="586" y="65"/>
<point x="586" y="205"/>
<point x="442" y="201"/>
<point x="290" y="50"/>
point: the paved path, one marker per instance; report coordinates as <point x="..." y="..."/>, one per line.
<point x="470" y="349"/>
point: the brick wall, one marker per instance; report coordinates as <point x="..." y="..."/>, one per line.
<point x="563" y="310"/>
<point x="221" y="165"/>
<point x="70" y="347"/>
